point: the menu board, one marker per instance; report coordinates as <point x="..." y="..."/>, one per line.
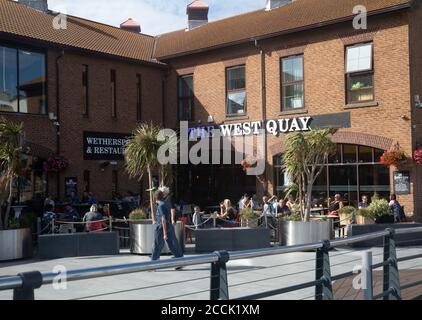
<point x="401" y="182"/>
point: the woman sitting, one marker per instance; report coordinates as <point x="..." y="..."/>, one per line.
<point x="335" y="206"/>
<point x="93" y="219"/>
<point x="227" y="214"/>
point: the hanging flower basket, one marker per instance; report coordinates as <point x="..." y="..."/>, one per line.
<point x="417" y="156"/>
<point x="249" y="163"/>
<point x="393" y="157"/>
<point x="55" y="164"/>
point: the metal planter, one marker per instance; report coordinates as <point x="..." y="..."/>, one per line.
<point x="297" y="232"/>
<point x="142" y="237"/>
<point x="15" y="244"/>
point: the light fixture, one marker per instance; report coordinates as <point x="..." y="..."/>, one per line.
<point x="418" y="103"/>
<point x="210" y="119"/>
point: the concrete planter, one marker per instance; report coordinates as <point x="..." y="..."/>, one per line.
<point x="298" y="232"/>
<point x="15" y="244"/>
<point x="142" y="237"/>
<point x="363" y="221"/>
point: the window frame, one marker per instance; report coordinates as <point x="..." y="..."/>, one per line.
<point x="245" y="111"/>
<point x="190" y="98"/>
<point x="44" y="52"/>
<point x="349" y="75"/>
<point x="283" y="84"/>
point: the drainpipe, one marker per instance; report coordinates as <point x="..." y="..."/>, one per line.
<point x="57" y="123"/>
<point x="264" y="107"/>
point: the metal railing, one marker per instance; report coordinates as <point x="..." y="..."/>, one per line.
<point x="24" y="284"/>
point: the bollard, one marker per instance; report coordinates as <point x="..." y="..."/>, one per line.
<point x="219" y="283"/>
<point x="367" y="283"/>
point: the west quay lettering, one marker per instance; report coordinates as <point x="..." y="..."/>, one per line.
<point x="274" y="127"/>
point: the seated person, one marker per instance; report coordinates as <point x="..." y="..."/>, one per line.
<point x="73" y="198"/>
<point x="282" y="209"/>
<point x="70" y="213"/>
<point x="93" y="219"/>
<point x="364" y="203"/>
<point x="227" y="214"/>
<point x="47" y="218"/>
<point x="335" y="206"/>
<point x="91" y="199"/>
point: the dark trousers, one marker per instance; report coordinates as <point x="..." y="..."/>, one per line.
<point x="172" y="242"/>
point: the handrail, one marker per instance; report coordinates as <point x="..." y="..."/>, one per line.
<point x="16" y="282"/>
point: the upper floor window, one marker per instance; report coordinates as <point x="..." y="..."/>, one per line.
<point x="113" y="93"/>
<point x="22" y="81"/>
<point x="359" y="73"/>
<point x="292" y="83"/>
<point x="236" y="90"/>
<point x="185" y="98"/>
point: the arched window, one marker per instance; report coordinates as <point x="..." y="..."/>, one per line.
<point x="352" y="172"/>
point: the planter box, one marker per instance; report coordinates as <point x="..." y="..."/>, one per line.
<point x="231" y="239"/>
<point x="54" y="246"/>
<point x="15" y="244"/>
<point x="142" y="237"/>
<point x="298" y="232"/>
<point x="364" y="221"/>
<point x="414" y="239"/>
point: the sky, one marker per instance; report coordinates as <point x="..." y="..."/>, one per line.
<point x="155" y="16"/>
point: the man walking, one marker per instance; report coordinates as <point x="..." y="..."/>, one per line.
<point x="164" y="230"/>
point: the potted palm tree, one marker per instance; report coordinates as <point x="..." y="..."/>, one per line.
<point x="15" y="238"/>
<point x="142" y="155"/>
<point x="305" y="152"/>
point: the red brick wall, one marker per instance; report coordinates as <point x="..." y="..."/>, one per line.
<point x="323" y="51"/>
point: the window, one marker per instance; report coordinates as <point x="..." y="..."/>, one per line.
<point x="87" y="180"/>
<point x="113" y="93"/>
<point x="236" y="91"/>
<point x="359" y="73"/>
<point x="292" y="83"/>
<point x="185" y="98"/>
<point x="22" y="81"/>
<point x="139" y="97"/>
<point x="114" y="181"/>
<point x="85" y="100"/>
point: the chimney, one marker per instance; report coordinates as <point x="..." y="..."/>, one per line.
<point x="197" y="13"/>
<point x="40" y="5"/>
<point x="131" y="25"/>
<point x="274" y="4"/>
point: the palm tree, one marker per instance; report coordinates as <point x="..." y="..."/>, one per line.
<point x="302" y="159"/>
<point x="10" y="160"/>
<point x="141" y="155"/>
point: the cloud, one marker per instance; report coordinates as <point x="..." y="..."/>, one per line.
<point x="155" y="16"/>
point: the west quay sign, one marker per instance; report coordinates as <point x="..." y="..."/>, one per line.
<point x="274" y="127"/>
<point x="104" y="146"/>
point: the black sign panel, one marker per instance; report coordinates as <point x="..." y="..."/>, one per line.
<point x="104" y="146"/>
<point x="401" y="182"/>
<point x="335" y="120"/>
<point x="71" y="185"/>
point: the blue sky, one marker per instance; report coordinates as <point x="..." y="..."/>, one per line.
<point x="155" y="16"/>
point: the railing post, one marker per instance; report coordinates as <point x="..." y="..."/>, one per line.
<point x="323" y="290"/>
<point x="52" y="226"/>
<point x="110" y="223"/>
<point x="391" y="286"/>
<point x="219" y="283"/>
<point x="367" y="283"/>
<point x="30" y="281"/>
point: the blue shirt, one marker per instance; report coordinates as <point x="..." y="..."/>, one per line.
<point x="163" y="209"/>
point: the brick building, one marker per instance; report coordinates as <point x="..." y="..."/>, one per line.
<point x="294" y="59"/>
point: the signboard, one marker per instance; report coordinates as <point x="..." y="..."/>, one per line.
<point x="70" y="185"/>
<point x="274" y="127"/>
<point x="104" y="146"/>
<point x="401" y="182"/>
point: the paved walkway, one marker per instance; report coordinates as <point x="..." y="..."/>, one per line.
<point x="245" y="277"/>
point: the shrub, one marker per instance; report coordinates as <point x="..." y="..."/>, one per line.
<point x="377" y="208"/>
<point x="138" y="214"/>
<point x="249" y="214"/>
<point x="348" y="211"/>
<point x="293" y="217"/>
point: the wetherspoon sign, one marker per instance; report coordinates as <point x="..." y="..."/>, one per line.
<point x="274" y="127"/>
<point x="104" y="146"/>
